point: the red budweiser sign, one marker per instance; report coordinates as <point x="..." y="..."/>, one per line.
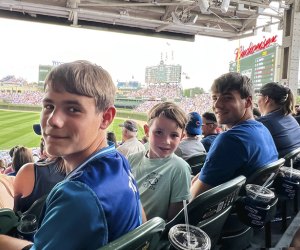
<point x="254" y="47"/>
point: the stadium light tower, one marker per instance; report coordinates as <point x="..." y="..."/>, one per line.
<point x="225" y="6"/>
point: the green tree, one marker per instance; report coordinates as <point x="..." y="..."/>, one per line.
<point x="193" y="91"/>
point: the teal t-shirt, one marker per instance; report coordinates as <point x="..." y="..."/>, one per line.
<point x="161" y="181"/>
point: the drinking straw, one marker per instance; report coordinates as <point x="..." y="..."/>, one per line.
<point x="291" y="168"/>
<point x="187" y="223"/>
<point x="265" y="184"/>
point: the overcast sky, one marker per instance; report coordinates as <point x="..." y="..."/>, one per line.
<point x="24" y="45"/>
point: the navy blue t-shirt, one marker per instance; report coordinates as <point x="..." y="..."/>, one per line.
<point x="239" y="151"/>
<point x="284" y="129"/>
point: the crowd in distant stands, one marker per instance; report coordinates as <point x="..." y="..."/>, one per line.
<point x="158" y="91"/>
<point x="200" y="104"/>
<point x="26" y="97"/>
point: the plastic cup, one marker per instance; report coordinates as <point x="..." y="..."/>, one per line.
<point x="196" y="239"/>
<point x="27" y="227"/>
<point x="293" y="174"/>
<point x="259" y="194"/>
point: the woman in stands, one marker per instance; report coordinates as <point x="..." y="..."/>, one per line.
<point x="21" y="156"/>
<point x="34" y="180"/>
<point x="276" y="103"/>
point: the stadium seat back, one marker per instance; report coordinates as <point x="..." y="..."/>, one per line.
<point x="143" y="237"/>
<point x="209" y="210"/>
<point x="8" y="220"/>
<point x="196" y="162"/>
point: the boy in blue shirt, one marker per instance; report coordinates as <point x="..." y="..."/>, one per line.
<point x="246" y="146"/>
<point x="86" y="210"/>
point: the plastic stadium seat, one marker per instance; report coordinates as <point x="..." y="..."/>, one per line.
<point x="196" y="162"/>
<point x="209" y="210"/>
<point x="8" y="220"/>
<point x="289" y="158"/>
<point x="143" y="237"/>
<point x="237" y="235"/>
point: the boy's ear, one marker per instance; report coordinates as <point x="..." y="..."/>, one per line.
<point x="146" y="130"/>
<point x="108" y="116"/>
<point x="182" y="135"/>
<point x="248" y="102"/>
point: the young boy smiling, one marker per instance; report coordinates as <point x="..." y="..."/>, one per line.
<point x="86" y="210"/>
<point x="162" y="177"/>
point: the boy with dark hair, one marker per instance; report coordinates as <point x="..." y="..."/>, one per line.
<point x="245" y="147"/>
<point x="86" y="210"/>
<point x="163" y="178"/>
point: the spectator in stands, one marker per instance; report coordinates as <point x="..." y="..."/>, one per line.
<point x="100" y="204"/>
<point x="130" y="143"/>
<point x="21" y="156"/>
<point x="191" y="144"/>
<point x="6" y="191"/>
<point x="276" y="103"/>
<point x="246" y="146"/>
<point x="35" y="180"/>
<point x="9" y="168"/>
<point x="209" y="129"/>
<point x="111" y="136"/>
<point x="163" y="178"/>
<point x="2" y="166"/>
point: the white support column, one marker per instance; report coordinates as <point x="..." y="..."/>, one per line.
<point x="291" y="46"/>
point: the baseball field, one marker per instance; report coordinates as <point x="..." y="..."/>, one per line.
<point x="16" y="129"/>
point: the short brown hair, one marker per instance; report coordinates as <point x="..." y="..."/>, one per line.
<point x="83" y="78"/>
<point x="169" y="110"/>
<point x="233" y="81"/>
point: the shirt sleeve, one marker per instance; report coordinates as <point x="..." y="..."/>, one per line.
<point x="74" y="219"/>
<point x="224" y="158"/>
<point x="181" y="184"/>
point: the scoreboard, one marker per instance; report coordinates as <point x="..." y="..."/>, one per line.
<point x="43" y="72"/>
<point x="261" y="67"/>
<point x="163" y="74"/>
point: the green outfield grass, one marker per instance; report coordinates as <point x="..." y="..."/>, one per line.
<point x="16" y="129"/>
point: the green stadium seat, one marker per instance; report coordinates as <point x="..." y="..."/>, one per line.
<point x="209" y="210"/>
<point x="196" y="162"/>
<point x="144" y="237"/>
<point x="8" y="220"/>
<point x="236" y="234"/>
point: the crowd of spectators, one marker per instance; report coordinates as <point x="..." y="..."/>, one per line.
<point x="200" y="104"/>
<point x="26" y="97"/>
<point x="157" y="91"/>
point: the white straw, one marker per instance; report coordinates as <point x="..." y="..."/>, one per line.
<point x="291" y="168"/>
<point x="265" y="184"/>
<point x="187" y="223"/>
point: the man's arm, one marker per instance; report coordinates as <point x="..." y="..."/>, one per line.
<point x="174" y="209"/>
<point x="198" y="187"/>
<point x="10" y="243"/>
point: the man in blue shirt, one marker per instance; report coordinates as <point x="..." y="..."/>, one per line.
<point x="246" y="146"/>
<point x="98" y="201"/>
